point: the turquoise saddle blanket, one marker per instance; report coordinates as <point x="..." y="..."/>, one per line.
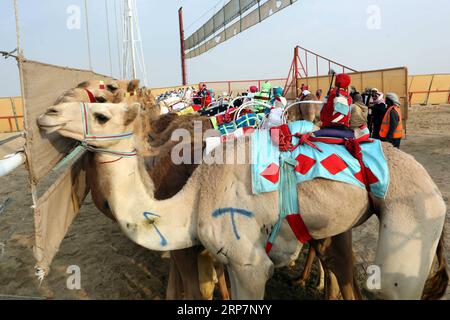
<point x="333" y="163"/>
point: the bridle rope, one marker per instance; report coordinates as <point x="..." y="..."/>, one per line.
<point x="87" y="136"/>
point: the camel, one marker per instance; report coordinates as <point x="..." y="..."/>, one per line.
<point x="168" y="178"/>
<point x="411" y="216"/>
<point x="307" y="111"/>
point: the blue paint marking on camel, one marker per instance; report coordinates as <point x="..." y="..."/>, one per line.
<point x="147" y="216"/>
<point x="232" y="211"/>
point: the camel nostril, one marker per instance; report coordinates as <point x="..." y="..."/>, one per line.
<point x="52" y="111"/>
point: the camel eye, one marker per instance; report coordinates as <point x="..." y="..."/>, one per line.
<point x="101" y="118"/>
<point x="100" y="99"/>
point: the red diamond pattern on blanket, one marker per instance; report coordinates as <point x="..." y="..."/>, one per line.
<point x="272" y="173"/>
<point x="370" y="176"/>
<point x="334" y="164"/>
<point x="305" y="164"/>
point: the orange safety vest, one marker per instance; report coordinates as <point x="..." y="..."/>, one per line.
<point x="398" y="132"/>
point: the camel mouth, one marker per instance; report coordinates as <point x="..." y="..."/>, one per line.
<point x="48" y="125"/>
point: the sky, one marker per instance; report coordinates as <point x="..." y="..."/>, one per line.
<point x="362" y="34"/>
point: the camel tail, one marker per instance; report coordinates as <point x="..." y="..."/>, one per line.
<point x="437" y="283"/>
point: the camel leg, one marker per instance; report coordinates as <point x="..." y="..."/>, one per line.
<point x="223" y="289"/>
<point x="321" y="278"/>
<point x="406" y="249"/>
<point x="206" y="274"/>
<point x="249" y="281"/>
<point x="306" y="273"/>
<point x="186" y="263"/>
<point x="337" y="256"/>
<point x="332" y="291"/>
<point x="175" y="283"/>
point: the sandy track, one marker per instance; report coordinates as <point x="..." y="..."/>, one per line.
<point x="113" y="267"/>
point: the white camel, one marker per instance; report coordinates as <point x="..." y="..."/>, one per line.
<point x="217" y="208"/>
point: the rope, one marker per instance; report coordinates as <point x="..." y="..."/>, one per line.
<point x="87" y="34"/>
<point x="118" y="39"/>
<point x="109" y="38"/>
<point x="204" y="14"/>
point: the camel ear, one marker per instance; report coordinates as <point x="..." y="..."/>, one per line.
<point x="113" y="86"/>
<point x="131" y="112"/>
<point x="133" y="85"/>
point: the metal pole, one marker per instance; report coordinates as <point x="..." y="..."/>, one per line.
<point x="182" y="47"/>
<point x="133" y="49"/>
<point x="87" y="35"/>
<point x="109" y="39"/>
<point x="13" y="107"/>
<point x="296" y="71"/>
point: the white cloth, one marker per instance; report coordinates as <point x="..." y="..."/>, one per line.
<point x="164" y="110"/>
<point x="274" y="119"/>
<point x="179" y="106"/>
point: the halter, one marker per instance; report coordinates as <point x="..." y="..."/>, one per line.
<point x="87" y="136"/>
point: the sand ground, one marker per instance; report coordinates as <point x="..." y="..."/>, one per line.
<point x="113" y="267"/>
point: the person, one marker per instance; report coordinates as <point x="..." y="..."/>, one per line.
<point x="304" y="95"/>
<point x="263" y="96"/>
<point x="303" y="88"/>
<point x="203" y="91"/>
<point x="251" y="94"/>
<point x="336" y="112"/>
<point x="319" y="94"/>
<point x="359" y="112"/>
<point x="377" y="112"/>
<point x="392" y="126"/>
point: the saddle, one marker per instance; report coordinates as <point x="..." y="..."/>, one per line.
<point x="292" y="154"/>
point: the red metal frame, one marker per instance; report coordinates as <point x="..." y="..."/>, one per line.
<point x="229" y="82"/>
<point x="297" y="67"/>
<point x="9" y="118"/>
<point x="182" y="48"/>
<point x="298" y="70"/>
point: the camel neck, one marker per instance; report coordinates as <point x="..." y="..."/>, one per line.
<point x="156" y="225"/>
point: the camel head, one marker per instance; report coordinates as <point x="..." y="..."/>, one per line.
<point x="114" y="91"/>
<point x="103" y="119"/>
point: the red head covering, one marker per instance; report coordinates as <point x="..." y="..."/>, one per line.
<point x="343" y="80"/>
<point x="253" y="89"/>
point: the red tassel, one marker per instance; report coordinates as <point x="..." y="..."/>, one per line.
<point x="268" y="247"/>
<point x="298" y="227"/>
<point x="91" y="96"/>
<point x="282" y="137"/>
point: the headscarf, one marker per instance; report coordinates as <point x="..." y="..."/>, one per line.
<point x="394" y="98"/>
<point x="379" y="99"/>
